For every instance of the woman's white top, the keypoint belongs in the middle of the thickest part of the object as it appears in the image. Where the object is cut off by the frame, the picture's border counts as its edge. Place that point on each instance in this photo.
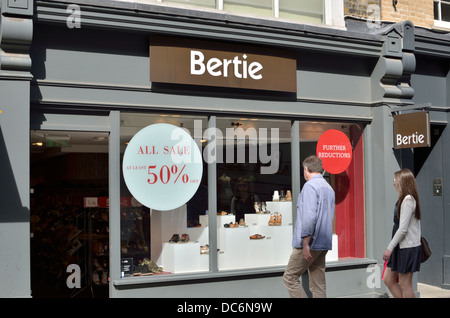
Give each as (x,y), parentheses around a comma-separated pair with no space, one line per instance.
(408,233)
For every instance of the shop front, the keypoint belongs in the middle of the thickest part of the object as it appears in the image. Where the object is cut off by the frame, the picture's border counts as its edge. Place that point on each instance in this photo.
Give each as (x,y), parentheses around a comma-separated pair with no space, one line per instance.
(119,207)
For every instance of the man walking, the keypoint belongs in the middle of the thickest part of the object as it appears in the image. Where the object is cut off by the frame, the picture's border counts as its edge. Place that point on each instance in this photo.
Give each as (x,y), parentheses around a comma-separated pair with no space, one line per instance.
(312,233)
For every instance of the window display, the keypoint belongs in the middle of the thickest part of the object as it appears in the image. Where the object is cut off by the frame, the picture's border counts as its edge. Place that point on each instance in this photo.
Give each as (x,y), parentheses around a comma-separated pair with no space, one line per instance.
(177,242)
(253,216)
(254,198)
(254,226)
(348,226)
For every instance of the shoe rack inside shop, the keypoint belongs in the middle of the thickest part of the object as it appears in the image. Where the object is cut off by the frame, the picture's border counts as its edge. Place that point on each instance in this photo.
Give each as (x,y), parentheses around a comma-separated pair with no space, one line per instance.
(58,219)
(135,239)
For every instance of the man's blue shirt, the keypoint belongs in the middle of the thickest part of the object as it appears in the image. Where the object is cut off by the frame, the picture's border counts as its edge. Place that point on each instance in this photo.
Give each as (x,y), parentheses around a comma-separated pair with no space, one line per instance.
(315,213)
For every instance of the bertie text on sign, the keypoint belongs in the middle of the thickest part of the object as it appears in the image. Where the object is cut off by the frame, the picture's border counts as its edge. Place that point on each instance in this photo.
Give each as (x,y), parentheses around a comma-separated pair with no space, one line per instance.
(412,130)
(218,64)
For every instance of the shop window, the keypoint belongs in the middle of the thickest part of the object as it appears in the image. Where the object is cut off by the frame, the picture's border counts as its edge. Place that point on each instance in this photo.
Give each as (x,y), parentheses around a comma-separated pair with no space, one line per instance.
(348,226)
(201,3)
(160,242)
(254,199)
(254,7)
(254,222)
(442,13)
(302,10)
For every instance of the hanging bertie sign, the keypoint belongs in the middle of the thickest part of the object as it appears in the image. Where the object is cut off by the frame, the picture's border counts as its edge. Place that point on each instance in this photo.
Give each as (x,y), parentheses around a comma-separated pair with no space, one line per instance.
(162,167)
(412,130)
(335,150)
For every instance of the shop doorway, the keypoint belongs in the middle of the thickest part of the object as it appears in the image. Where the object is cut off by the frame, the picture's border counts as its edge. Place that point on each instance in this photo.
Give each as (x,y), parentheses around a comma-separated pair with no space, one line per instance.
(69,237)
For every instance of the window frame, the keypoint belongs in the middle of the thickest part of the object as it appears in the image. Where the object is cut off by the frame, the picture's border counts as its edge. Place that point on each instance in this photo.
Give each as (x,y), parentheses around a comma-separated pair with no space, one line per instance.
(439,23)
(214,270)
(333,14)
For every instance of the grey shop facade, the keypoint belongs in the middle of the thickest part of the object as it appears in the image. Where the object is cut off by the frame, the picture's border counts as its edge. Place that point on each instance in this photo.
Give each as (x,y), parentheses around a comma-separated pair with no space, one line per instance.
(275,87)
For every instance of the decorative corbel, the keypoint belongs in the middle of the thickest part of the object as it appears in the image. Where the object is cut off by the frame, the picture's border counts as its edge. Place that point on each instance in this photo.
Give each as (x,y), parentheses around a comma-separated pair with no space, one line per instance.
(16,32)
(396,64)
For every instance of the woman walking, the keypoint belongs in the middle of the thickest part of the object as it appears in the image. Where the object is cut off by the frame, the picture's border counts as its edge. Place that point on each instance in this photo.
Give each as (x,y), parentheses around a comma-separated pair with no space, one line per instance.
(404,251)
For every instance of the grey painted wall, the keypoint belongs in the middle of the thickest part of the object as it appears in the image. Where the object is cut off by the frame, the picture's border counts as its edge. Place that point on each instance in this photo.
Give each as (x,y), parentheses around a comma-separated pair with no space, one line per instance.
(14,189)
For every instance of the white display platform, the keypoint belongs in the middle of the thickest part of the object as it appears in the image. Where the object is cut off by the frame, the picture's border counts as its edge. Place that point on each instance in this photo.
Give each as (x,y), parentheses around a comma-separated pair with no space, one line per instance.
(333,255)
(221,220)
(239,251)
(283,207)
(236,249)
(183,257)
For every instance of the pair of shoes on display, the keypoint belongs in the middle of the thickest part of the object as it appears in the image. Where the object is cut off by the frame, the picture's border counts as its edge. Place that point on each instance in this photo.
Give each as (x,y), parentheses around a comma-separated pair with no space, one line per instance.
(100,281)
(222,213)
(231,225)
(257,237)
(275,219)
(260,207)
(176,238)
(146,267)
(204,249)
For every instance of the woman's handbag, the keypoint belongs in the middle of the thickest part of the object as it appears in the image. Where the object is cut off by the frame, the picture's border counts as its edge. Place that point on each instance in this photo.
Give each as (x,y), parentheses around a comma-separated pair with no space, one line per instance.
(426,251)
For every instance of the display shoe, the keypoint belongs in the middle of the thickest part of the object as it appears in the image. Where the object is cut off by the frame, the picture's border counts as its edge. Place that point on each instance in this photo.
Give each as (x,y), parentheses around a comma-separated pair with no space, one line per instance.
(256,237)
(175,238)
(204,249)
(276,196)
(272,219)
(241,222)
(288,195)
(184,238)
(257,207)
(263,207)
(278,219)
(104,280)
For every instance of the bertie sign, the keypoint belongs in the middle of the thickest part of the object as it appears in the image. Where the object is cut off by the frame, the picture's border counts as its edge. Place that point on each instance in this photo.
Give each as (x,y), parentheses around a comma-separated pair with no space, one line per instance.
(194,62)
(412,130)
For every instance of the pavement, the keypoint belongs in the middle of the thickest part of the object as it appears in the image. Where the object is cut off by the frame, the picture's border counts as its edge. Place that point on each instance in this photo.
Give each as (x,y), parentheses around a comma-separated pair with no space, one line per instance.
(428,291)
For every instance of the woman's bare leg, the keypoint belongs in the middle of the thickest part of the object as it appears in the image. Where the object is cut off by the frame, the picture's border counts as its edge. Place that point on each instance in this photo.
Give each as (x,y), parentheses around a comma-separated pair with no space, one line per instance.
(390,280)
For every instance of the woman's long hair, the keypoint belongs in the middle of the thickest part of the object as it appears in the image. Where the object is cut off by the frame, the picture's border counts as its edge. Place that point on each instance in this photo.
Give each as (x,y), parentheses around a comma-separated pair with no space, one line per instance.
(406,184)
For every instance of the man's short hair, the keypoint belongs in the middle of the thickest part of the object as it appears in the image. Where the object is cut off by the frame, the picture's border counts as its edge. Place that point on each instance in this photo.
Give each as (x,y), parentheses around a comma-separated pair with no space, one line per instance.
(313,164)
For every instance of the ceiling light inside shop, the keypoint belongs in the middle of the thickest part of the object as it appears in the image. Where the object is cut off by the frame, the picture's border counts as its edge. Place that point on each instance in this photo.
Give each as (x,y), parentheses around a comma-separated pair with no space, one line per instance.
(99,138)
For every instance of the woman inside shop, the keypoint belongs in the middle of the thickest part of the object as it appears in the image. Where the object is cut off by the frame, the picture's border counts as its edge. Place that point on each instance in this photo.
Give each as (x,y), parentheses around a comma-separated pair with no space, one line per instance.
(403,254)
(243,202)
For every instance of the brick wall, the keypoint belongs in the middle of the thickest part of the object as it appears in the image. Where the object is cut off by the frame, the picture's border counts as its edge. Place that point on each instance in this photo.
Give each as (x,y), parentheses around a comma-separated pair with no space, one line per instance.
(419,12)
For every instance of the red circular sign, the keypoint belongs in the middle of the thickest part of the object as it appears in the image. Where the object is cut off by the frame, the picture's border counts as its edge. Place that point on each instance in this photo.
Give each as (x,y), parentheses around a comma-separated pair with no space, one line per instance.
(335,150)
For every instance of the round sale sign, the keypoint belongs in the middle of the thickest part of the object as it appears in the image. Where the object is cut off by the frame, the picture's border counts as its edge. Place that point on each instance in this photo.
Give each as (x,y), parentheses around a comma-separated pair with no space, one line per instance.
(162,166)
(335,150)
